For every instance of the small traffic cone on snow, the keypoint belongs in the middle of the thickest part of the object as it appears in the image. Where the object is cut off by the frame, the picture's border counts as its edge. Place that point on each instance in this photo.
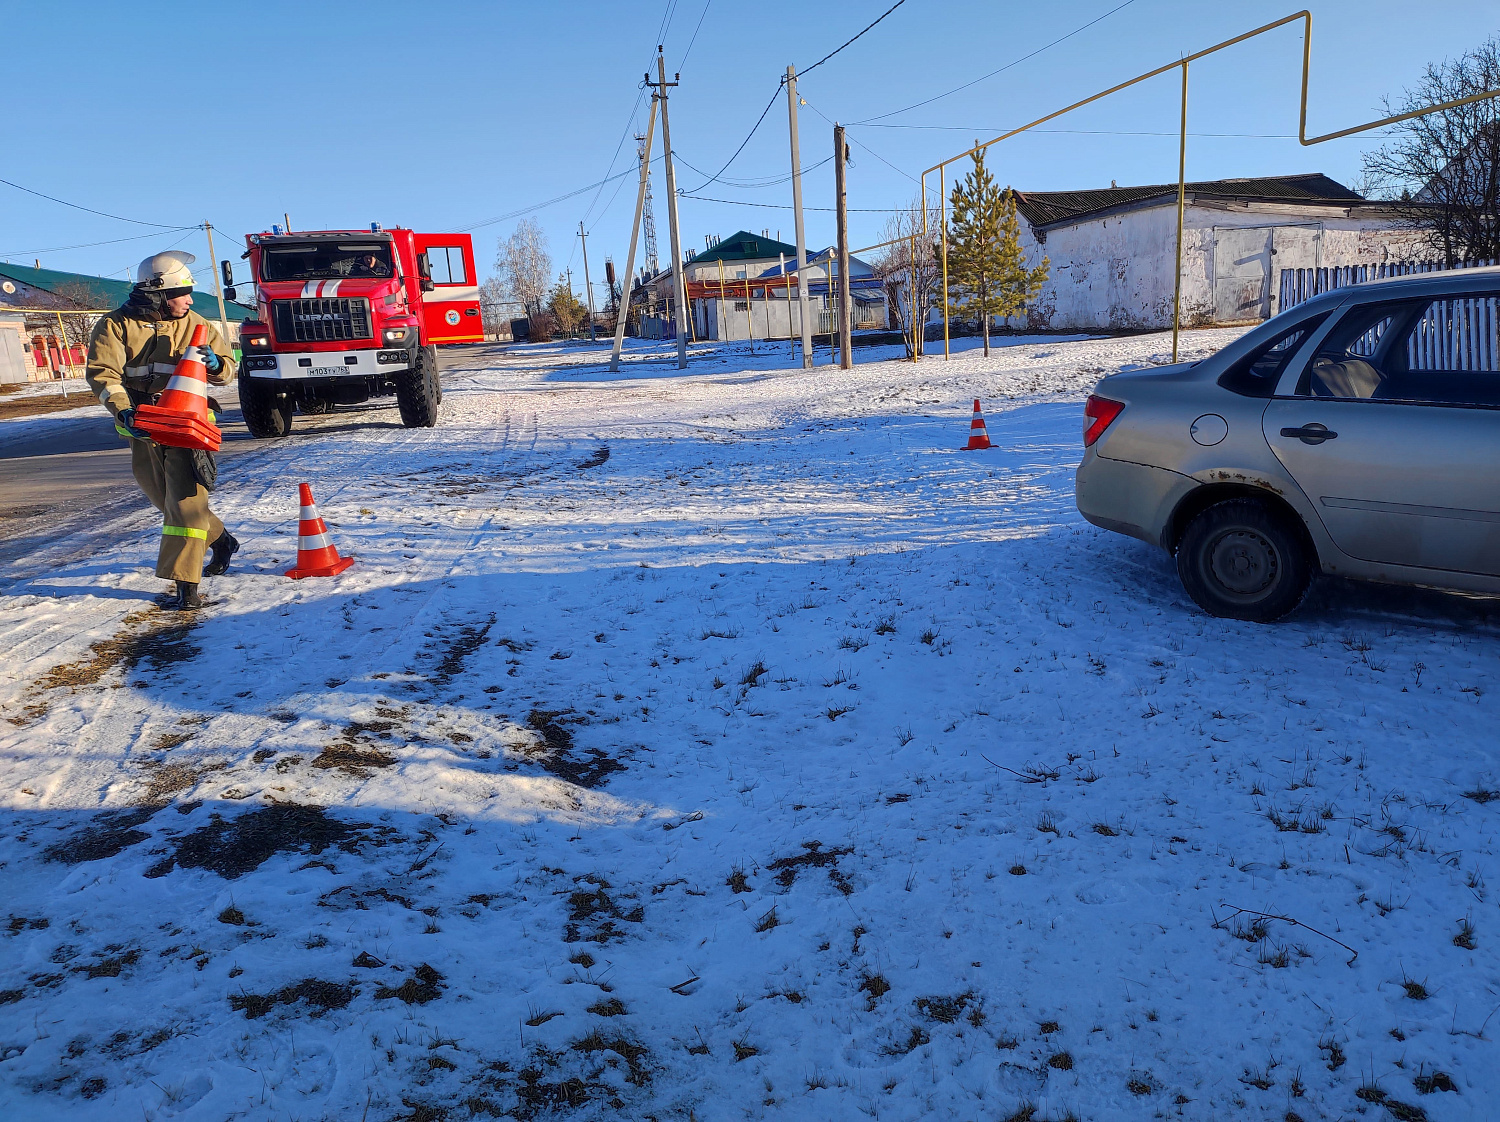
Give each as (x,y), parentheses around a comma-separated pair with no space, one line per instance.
(316,555)
(979,436)
(179,418)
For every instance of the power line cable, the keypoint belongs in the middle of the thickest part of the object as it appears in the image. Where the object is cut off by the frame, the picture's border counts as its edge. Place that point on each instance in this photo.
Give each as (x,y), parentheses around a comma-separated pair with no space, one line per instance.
(781,84)
(548,202)
(90,245)
(694,39)
(1001,70)
(91,210)
(830,54)
(861,143)
(788,206)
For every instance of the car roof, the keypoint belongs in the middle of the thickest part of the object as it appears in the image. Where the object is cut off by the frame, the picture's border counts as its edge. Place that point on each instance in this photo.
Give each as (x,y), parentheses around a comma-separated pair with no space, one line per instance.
(1487,276)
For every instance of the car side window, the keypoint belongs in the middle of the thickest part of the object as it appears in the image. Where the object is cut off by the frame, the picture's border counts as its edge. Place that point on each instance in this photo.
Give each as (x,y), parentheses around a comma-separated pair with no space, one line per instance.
(1257,373)
(1448,354)
(1351,362)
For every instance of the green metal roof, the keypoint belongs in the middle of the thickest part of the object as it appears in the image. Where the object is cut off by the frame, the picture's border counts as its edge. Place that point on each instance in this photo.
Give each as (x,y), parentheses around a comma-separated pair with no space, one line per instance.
(745,246)
(108,293)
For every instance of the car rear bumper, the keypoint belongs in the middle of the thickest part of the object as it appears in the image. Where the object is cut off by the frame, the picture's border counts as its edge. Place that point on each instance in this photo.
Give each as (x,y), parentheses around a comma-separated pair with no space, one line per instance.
(1129,498)
(295,365)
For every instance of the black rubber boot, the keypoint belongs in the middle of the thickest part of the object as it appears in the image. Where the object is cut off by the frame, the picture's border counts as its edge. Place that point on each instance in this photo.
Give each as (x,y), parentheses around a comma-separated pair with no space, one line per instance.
(187,597)
(223,549)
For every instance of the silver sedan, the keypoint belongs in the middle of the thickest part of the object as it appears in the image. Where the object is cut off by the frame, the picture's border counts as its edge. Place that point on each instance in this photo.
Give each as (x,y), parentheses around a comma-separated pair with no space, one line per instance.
(1357,434)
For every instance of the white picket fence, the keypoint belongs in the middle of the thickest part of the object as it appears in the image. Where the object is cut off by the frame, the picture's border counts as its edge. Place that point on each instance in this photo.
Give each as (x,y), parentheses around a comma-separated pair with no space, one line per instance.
(1298,285)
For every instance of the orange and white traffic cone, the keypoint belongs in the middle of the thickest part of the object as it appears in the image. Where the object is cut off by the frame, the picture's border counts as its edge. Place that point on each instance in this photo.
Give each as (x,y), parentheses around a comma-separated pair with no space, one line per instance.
(180,416)
(316,555)
(979,436)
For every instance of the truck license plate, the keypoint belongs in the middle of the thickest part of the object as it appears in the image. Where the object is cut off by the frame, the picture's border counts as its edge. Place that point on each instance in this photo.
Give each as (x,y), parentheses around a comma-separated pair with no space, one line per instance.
(326,371)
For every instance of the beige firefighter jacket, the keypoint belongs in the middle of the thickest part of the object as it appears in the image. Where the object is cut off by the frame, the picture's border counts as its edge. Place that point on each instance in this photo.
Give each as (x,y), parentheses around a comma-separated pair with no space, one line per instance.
(139,354)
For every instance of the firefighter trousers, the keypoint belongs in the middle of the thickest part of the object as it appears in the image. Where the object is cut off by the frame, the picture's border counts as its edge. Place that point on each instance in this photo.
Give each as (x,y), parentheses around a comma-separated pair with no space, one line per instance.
(167,477)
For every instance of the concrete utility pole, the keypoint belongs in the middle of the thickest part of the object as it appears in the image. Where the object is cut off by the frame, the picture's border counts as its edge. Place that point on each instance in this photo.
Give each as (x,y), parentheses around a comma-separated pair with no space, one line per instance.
(588,289)
(679,285)
(218,291)
(635,234)
(846,299)
(791,112)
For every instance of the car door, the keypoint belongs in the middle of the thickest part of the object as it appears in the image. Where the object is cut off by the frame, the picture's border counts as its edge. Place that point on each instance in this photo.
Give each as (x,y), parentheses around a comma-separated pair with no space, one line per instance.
(1393,432)
(450,311)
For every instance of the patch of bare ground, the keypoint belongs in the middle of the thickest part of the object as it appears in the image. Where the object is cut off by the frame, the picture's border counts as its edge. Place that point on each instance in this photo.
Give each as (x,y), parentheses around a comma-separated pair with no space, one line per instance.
(165,780)
(34,405)
(425,985)
(318,995)
(235,846)
(595,908)
(814,856)
(464,642)
(158,638)
(110,834)
(555,752)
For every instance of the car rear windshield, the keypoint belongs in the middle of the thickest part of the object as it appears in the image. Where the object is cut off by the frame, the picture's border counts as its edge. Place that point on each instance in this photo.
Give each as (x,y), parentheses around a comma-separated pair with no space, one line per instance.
(1257,373)
(326,261)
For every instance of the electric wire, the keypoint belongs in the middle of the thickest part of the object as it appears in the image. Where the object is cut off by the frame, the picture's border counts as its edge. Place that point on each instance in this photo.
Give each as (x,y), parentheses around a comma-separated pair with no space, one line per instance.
(91,210)
(781,84)
(90,245)
(882,16)
(788,206)
(1001,70)
(683,64)
(517,213)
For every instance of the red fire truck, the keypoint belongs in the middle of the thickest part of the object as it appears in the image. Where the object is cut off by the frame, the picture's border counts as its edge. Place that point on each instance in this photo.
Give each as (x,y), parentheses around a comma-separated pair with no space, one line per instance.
(346,315)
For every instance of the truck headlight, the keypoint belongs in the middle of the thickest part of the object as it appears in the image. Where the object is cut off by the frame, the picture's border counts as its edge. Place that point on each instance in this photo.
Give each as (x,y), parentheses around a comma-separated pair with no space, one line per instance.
(396,335)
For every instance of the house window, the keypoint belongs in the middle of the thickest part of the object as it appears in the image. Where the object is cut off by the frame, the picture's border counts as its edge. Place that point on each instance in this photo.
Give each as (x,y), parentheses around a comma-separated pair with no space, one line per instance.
(752,247)
(741,306)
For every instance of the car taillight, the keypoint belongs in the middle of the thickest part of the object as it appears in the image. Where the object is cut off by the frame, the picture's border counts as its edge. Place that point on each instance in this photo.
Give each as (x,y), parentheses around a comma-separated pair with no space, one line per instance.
(1099,414)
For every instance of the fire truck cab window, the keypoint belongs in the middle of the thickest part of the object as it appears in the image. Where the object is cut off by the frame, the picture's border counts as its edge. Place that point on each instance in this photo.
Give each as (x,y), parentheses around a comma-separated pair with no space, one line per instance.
(327,261)
(447,262)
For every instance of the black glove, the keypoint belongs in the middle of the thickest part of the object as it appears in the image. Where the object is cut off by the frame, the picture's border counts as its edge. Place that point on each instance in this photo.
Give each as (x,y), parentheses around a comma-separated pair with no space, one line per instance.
(212,363)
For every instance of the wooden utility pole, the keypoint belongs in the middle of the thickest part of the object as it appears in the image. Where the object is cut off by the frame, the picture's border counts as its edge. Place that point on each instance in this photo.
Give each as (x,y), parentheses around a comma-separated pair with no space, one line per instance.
(791,112)
(679,285)
(635,235)
(218,290)
(846,298)
(588,288)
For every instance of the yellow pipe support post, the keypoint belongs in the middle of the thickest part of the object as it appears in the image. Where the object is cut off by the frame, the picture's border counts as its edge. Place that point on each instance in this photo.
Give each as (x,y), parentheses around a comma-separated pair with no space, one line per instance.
(218,291)
(943,233)
(1302,137)
(64,351)
(1181,199)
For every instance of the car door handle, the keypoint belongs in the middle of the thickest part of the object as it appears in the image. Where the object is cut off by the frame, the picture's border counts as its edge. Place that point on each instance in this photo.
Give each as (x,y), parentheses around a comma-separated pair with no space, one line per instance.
(1311,434)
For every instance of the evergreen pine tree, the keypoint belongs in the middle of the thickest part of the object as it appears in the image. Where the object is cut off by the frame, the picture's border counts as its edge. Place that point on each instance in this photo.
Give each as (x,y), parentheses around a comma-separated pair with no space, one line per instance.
(985,261)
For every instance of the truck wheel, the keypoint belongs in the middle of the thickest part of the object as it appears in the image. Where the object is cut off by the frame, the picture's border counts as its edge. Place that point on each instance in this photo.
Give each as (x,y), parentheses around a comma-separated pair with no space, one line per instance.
(1241,560)
(418,391)
(266,412)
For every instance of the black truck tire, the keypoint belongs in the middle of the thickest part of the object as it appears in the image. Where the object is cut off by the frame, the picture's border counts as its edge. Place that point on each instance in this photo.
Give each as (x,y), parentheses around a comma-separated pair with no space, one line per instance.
(314,407)
(419,392)
(267,412)
(1241,560)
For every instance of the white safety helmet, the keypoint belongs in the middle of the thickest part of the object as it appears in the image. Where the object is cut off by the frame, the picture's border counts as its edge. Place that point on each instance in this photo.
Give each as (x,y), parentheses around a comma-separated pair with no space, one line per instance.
(165,271)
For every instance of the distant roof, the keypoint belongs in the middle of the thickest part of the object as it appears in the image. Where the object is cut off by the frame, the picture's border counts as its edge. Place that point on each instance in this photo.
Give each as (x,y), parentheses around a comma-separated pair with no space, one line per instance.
(823,258)
(1046,208)
(107,293)
(745,246)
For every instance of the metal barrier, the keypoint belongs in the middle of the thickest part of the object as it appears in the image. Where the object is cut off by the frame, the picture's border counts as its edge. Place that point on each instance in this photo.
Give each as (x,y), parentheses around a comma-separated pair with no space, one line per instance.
(1295,286)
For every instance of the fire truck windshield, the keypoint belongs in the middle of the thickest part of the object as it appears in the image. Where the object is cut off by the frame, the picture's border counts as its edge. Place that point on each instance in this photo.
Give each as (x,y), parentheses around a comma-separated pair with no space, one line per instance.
(326,261)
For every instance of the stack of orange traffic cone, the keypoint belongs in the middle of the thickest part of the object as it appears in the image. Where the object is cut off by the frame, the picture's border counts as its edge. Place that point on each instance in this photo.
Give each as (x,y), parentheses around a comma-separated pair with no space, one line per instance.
(180,416)
(316,555)
(979,436)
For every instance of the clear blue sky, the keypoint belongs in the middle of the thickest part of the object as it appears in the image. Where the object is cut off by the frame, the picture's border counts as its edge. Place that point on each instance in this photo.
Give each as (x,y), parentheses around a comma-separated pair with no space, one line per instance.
(442,115)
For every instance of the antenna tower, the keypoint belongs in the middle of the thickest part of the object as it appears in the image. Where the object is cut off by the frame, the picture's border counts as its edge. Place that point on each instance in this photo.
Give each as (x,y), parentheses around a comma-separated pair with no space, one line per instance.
(648,223)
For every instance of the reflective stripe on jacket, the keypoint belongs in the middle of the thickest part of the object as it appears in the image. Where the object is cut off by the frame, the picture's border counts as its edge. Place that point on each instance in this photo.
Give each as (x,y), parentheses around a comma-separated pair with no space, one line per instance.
(125,352)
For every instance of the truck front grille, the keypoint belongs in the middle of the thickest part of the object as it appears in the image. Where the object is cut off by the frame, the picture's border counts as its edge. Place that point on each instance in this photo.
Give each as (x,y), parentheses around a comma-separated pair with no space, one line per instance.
(321,320)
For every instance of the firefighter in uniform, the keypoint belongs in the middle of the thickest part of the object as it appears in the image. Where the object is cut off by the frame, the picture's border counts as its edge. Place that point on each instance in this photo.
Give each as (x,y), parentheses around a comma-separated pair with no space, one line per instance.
(132,355)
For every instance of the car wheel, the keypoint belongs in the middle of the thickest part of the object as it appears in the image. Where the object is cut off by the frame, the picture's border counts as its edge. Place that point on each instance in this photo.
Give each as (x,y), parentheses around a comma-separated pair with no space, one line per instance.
(1241,560)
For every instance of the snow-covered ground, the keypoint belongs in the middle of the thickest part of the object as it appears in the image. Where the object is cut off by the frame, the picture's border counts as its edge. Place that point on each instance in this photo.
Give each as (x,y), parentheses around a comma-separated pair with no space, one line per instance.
(728,744)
